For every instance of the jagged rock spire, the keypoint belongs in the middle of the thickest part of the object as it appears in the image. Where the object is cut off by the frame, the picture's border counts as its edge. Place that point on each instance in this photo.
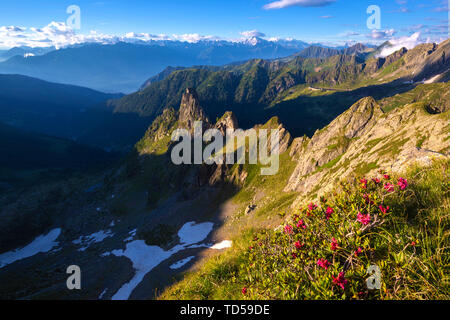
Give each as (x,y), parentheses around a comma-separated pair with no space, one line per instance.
(191,111)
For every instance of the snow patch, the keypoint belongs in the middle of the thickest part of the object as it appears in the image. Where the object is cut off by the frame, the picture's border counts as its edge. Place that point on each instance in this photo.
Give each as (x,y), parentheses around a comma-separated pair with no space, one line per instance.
(102,294)
(192,233)
(145,258)
(222,245)
(432,79)
(44,243)
(181,263)
(97,237)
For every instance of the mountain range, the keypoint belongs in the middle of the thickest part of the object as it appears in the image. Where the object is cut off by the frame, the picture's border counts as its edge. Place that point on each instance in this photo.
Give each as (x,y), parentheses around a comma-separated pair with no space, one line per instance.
(362,180)
(305,93)
(123,67)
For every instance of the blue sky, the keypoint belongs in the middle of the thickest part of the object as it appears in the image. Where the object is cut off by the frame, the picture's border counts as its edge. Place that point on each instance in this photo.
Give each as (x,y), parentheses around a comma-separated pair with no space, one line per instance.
(309,20)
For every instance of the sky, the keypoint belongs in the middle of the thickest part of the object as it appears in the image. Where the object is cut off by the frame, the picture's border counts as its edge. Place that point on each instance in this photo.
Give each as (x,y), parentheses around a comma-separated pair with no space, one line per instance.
(44,22)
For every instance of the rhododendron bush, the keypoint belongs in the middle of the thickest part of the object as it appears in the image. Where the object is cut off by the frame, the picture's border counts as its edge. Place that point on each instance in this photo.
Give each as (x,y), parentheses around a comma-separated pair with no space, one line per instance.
(398,225)
(325,250)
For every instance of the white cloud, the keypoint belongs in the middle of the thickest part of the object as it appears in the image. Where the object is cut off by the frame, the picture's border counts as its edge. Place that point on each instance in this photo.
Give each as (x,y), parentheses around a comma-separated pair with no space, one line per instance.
(59,35)
(302,3)
(145,36)
(192,37)
(11,29)
(253,33)
(402,42)
(349,34)
(381,34)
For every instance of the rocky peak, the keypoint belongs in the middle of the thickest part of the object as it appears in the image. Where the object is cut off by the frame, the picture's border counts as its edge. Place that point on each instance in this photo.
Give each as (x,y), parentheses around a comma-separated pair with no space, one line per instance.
(191,111)
(228,121)
(395,56)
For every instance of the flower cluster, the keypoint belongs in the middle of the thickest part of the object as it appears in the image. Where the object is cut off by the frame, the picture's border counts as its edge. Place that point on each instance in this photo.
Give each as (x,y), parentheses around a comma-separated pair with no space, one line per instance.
(288,229)
(323,263)
(324,247)
(334,244)
(402,183)
(364,219)
(340,280)
(328,213)
(389,187)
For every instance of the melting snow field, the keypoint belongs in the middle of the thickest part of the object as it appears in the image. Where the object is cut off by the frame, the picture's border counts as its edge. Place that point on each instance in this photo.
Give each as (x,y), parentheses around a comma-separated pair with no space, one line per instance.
(44,243)
(191,233)
(97,237)
(145,258)
(222,245)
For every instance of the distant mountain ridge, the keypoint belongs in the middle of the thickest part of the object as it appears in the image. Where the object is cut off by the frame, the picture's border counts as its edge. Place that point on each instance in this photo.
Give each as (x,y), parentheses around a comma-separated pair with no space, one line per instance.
(24,51)
(123,67)
(292,88)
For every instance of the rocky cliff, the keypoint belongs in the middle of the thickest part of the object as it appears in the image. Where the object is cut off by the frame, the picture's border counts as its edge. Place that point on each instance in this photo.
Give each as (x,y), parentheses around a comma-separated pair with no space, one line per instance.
(365,139)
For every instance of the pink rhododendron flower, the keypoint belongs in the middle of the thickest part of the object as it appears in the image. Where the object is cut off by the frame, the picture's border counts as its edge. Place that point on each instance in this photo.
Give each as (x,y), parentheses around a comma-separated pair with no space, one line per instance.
(329,212)
(334,244)
(402,183)
(299,245)
(376,180)
(387,177)
(384,210)
(358,251)
(288,229)
(244,290)
(312,206)
(364,219)
(301,224)
(323,263)
(363,183)
(340,280)
(389,187)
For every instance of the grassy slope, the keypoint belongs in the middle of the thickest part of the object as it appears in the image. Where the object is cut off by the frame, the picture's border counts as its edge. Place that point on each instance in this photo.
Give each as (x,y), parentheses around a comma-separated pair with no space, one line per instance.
(409,244)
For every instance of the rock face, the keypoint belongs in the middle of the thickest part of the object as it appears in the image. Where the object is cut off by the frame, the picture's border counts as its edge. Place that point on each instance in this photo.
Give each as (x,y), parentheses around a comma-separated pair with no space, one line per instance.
(190,111)
(395,56)
(363,140)
(228,121)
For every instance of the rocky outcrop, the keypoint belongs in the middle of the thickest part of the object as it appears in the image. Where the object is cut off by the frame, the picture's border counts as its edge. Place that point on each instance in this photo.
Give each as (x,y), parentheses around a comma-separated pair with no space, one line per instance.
(436,62)
(332,141)
(395,56)
(363,140)
(228,121)
(190,111)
